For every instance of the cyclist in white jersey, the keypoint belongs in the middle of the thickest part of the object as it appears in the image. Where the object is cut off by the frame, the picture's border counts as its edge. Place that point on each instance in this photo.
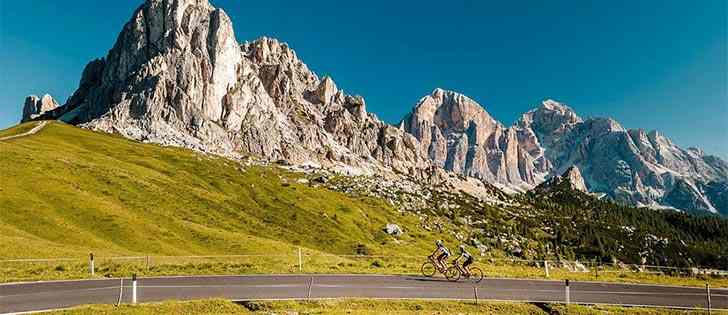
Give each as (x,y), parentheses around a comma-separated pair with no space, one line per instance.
(441,253)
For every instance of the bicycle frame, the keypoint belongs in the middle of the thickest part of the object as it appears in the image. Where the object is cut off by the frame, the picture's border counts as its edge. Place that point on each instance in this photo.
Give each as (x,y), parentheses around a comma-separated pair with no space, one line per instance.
(462,270)
(437,264)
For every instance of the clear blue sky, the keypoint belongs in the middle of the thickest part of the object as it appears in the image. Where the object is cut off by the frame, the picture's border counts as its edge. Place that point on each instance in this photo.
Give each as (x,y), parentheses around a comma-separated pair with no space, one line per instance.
(651,64)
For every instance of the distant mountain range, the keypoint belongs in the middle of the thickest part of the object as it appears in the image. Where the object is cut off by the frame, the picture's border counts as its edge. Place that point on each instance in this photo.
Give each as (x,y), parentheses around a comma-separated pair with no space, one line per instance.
(177,76)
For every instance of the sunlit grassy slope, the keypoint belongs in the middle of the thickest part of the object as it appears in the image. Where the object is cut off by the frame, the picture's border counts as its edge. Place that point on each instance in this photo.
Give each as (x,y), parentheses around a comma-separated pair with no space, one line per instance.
(66,191)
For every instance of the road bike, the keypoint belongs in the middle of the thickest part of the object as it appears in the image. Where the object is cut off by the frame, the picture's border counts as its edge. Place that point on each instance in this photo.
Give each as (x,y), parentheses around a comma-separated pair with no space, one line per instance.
(456,271)
(431,267)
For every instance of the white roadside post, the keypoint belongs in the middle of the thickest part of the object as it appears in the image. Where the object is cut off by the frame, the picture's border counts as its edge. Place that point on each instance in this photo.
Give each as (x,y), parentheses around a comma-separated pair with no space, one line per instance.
(300,260)
(121,291)
(707,289)
(133,289)
(568,294)
(546,267)
(91,263)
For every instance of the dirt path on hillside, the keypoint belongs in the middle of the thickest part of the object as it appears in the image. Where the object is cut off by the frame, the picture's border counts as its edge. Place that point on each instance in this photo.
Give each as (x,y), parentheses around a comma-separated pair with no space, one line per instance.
(27,133)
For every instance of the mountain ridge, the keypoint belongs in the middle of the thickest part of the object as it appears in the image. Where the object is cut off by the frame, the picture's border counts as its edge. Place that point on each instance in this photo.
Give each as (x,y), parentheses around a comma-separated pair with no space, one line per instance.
(177,76)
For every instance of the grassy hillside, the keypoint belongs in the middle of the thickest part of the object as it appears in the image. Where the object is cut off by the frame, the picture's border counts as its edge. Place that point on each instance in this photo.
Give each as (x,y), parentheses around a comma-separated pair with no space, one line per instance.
(68,191)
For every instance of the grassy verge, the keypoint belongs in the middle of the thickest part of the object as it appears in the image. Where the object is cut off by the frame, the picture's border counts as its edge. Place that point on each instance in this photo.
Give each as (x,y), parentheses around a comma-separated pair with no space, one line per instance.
(363,307)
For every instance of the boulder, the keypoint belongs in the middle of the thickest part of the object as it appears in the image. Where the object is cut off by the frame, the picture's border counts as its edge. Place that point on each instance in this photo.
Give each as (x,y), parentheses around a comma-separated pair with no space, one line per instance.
(393,229)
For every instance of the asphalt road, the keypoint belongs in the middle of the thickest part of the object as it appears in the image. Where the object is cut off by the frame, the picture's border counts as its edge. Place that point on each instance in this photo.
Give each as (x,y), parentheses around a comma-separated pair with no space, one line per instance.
(36,296)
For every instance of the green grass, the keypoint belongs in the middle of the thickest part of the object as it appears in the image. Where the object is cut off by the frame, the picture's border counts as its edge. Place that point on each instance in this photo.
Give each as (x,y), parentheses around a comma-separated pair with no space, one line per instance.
(363,307)
(67,191)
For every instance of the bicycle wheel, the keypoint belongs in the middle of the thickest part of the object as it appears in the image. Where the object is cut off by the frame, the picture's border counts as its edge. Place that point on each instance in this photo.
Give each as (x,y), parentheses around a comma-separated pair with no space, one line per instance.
(428,269)
(452,274)
(476,274)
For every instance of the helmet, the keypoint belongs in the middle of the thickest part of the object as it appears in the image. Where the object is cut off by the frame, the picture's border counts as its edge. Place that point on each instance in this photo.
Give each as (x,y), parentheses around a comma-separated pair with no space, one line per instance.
(438,242)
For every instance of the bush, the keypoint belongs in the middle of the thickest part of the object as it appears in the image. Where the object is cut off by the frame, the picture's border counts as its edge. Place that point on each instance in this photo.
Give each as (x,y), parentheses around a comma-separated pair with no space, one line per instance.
(361,249)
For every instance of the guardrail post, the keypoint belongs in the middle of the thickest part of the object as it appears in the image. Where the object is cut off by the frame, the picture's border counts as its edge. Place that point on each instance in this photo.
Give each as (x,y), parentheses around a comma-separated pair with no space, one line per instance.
(567,293)
(707,291)
(91,263)
(300,260)
(546,268)
(133,289)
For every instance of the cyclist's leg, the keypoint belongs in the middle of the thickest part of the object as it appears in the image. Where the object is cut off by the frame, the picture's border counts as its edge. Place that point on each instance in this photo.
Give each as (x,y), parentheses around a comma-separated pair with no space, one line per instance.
(467,263)
(440,259)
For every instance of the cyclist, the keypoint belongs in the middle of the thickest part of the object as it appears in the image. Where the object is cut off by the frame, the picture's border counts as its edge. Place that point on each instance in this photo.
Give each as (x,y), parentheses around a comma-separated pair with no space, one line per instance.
(468,259)
(443,252)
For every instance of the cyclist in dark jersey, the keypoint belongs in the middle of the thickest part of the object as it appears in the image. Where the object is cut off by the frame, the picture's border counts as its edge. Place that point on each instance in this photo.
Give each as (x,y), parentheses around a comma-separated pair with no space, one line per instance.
(468,259)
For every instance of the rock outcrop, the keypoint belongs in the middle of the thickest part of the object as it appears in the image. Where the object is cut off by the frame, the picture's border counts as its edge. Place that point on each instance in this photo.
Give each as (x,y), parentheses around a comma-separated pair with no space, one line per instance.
(35,107)
(572,178)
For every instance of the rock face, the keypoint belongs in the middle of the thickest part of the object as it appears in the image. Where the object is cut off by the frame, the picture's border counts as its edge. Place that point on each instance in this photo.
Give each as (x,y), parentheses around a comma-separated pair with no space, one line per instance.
(35,107)
(456,133)
(177,76)
(572,176)
(630,166)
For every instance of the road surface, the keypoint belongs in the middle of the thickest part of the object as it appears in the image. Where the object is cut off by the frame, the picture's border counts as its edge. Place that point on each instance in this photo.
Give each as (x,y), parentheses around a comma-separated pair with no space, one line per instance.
(34,296)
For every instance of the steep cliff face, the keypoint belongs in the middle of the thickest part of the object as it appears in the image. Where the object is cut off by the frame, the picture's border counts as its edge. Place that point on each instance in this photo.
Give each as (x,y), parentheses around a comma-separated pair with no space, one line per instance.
(458,134)
(177,76)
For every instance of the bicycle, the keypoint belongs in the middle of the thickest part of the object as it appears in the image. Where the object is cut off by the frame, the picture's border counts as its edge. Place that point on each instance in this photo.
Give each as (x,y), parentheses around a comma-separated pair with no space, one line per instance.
(430,267)
(457,271)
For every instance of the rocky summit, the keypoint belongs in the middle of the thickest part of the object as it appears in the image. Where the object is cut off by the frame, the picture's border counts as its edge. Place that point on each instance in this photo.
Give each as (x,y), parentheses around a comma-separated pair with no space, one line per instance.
(35,106)
(630,166)
(177,76)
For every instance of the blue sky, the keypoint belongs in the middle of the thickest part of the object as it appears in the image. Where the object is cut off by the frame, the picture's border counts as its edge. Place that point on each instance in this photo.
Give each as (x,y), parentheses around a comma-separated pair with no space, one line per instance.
(650,64)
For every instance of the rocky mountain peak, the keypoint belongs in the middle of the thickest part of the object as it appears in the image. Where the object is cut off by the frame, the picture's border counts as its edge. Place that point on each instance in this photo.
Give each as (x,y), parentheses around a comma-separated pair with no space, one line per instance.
(549,121)
(34,106)
(266,50)
(449,111)
(459,135)
(177,76)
